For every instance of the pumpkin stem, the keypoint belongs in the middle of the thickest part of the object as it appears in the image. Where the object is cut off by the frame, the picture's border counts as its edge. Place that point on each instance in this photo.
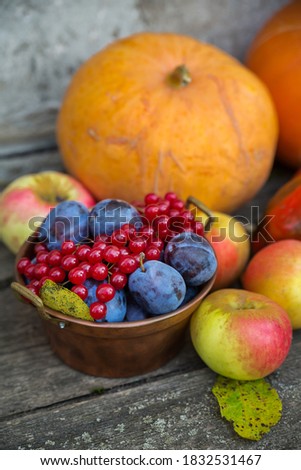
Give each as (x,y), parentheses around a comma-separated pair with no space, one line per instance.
(180,77)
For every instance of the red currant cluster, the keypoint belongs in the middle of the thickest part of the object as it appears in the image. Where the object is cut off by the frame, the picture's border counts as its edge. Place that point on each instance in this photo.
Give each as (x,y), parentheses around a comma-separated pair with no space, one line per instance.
(168,216)
(110,259)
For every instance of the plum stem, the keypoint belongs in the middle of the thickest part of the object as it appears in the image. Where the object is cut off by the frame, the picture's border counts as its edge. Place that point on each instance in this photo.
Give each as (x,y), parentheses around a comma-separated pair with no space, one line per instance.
(141,259)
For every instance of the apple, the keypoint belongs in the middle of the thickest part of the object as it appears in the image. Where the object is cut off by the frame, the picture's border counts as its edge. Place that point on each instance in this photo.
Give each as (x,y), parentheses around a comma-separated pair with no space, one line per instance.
(232,246)
(28,199)
(241,334)
(275,271)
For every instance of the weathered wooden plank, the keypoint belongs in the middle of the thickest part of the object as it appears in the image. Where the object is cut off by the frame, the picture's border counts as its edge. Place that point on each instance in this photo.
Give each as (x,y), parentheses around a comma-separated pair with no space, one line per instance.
(36,67)
(16,166)
(174,412)
(7,260)
(28,365)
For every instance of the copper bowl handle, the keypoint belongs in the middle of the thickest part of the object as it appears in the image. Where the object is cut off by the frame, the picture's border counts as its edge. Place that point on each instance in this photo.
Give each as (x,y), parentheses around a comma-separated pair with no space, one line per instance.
(22,291)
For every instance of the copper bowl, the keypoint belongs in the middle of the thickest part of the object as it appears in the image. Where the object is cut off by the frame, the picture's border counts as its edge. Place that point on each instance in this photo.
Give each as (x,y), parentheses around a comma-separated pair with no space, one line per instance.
(122,349)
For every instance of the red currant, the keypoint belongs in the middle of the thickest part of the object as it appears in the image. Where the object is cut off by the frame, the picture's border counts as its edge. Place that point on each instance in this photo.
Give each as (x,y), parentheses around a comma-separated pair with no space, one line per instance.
(67,248)
(77,275)
(86,267)
(103,238)
(170,196)
(178,204)
(69,262)
(157,243)
(22,264)
(40,270)
(198,228)
(99,271)
(119,238)
(151,198)
(137,246)
(163,207)
(42,281)
(95,256)
(152,253)
(151,212)
(118,280)
(42,257)
(80,290)
(34,289)
(128,264)
(105,292)
(111,254)
(39,247)
(57,274)
(98,310)
(29,271)
(82,252)
(129,230)
(54,258)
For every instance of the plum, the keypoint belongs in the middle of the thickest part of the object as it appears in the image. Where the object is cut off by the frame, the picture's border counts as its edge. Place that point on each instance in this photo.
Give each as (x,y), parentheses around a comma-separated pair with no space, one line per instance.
(116,308)
(69,220)
(157,287)
(109,215)
(192,256)
(133,311)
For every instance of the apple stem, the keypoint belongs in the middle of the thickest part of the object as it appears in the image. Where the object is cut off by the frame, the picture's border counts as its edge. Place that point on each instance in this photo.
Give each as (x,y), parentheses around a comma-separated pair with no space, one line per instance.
(200,205)
(180,77)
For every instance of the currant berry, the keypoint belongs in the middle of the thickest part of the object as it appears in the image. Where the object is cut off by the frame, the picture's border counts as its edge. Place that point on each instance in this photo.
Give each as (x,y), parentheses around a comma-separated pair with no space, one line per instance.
(111,254)
(40,270)
(152,253)
(151,212)
(39,247)
(54,258)
(42,257)
(151,198)
(170,196)
(129,230)
(178,205)
(29,271)
(77,275)
(119,238)
(128,264)
(99,271)
(68,247)
(34,289)
(69,262)
(198,228)
(118,280)
(137,246)
(86,267)
(105,292)
(22,264)
(57,274)
(42,281)
(98,310)
(82,252)
(80,290)
(95,256)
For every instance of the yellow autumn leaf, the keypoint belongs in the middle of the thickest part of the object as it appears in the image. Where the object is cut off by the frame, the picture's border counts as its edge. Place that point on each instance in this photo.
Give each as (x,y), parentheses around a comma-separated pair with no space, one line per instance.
(63,300)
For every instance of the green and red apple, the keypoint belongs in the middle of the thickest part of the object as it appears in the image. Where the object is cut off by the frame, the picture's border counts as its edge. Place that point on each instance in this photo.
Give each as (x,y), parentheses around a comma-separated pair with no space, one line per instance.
(275,271)
(28,199)
(231,243)
(241,334)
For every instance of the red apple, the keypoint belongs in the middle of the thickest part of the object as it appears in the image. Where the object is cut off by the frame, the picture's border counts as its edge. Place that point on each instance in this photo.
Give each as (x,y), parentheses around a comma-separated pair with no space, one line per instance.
(232,247)
(240,334)
(275,271)
(33,195)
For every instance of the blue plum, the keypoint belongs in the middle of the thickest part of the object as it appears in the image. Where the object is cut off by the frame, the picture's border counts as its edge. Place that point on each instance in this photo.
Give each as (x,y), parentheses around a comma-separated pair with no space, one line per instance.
(110,214)
(116,308)
(133,311)
(157,287)
(193,256)
(69,220)
(191,292)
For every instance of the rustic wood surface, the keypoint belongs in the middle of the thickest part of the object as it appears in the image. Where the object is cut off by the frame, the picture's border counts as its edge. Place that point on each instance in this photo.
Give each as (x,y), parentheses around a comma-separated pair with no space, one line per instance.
(47,405)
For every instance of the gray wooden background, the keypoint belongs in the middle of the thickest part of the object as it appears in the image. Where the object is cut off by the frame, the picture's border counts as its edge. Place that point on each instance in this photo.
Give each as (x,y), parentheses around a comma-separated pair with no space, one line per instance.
(42,42)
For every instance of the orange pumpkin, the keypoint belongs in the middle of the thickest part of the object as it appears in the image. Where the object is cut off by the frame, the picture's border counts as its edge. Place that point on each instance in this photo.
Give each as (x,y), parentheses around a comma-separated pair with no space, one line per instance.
(275,56)
(161,112)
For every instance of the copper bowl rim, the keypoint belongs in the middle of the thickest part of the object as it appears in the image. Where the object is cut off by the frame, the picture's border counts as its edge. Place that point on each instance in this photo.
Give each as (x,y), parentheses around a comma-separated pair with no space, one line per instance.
(116,325)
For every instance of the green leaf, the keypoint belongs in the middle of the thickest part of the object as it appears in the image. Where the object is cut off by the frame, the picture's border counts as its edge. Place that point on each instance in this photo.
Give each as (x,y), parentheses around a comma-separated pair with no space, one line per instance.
(64,300)
(252,406)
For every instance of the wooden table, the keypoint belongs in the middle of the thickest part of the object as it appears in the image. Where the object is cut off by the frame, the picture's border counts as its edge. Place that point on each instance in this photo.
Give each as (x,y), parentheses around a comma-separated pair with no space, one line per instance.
(47,405)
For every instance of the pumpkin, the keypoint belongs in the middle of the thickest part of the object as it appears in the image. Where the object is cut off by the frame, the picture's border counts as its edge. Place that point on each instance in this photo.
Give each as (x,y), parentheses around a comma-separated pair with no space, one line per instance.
(275,56)
(158,112)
